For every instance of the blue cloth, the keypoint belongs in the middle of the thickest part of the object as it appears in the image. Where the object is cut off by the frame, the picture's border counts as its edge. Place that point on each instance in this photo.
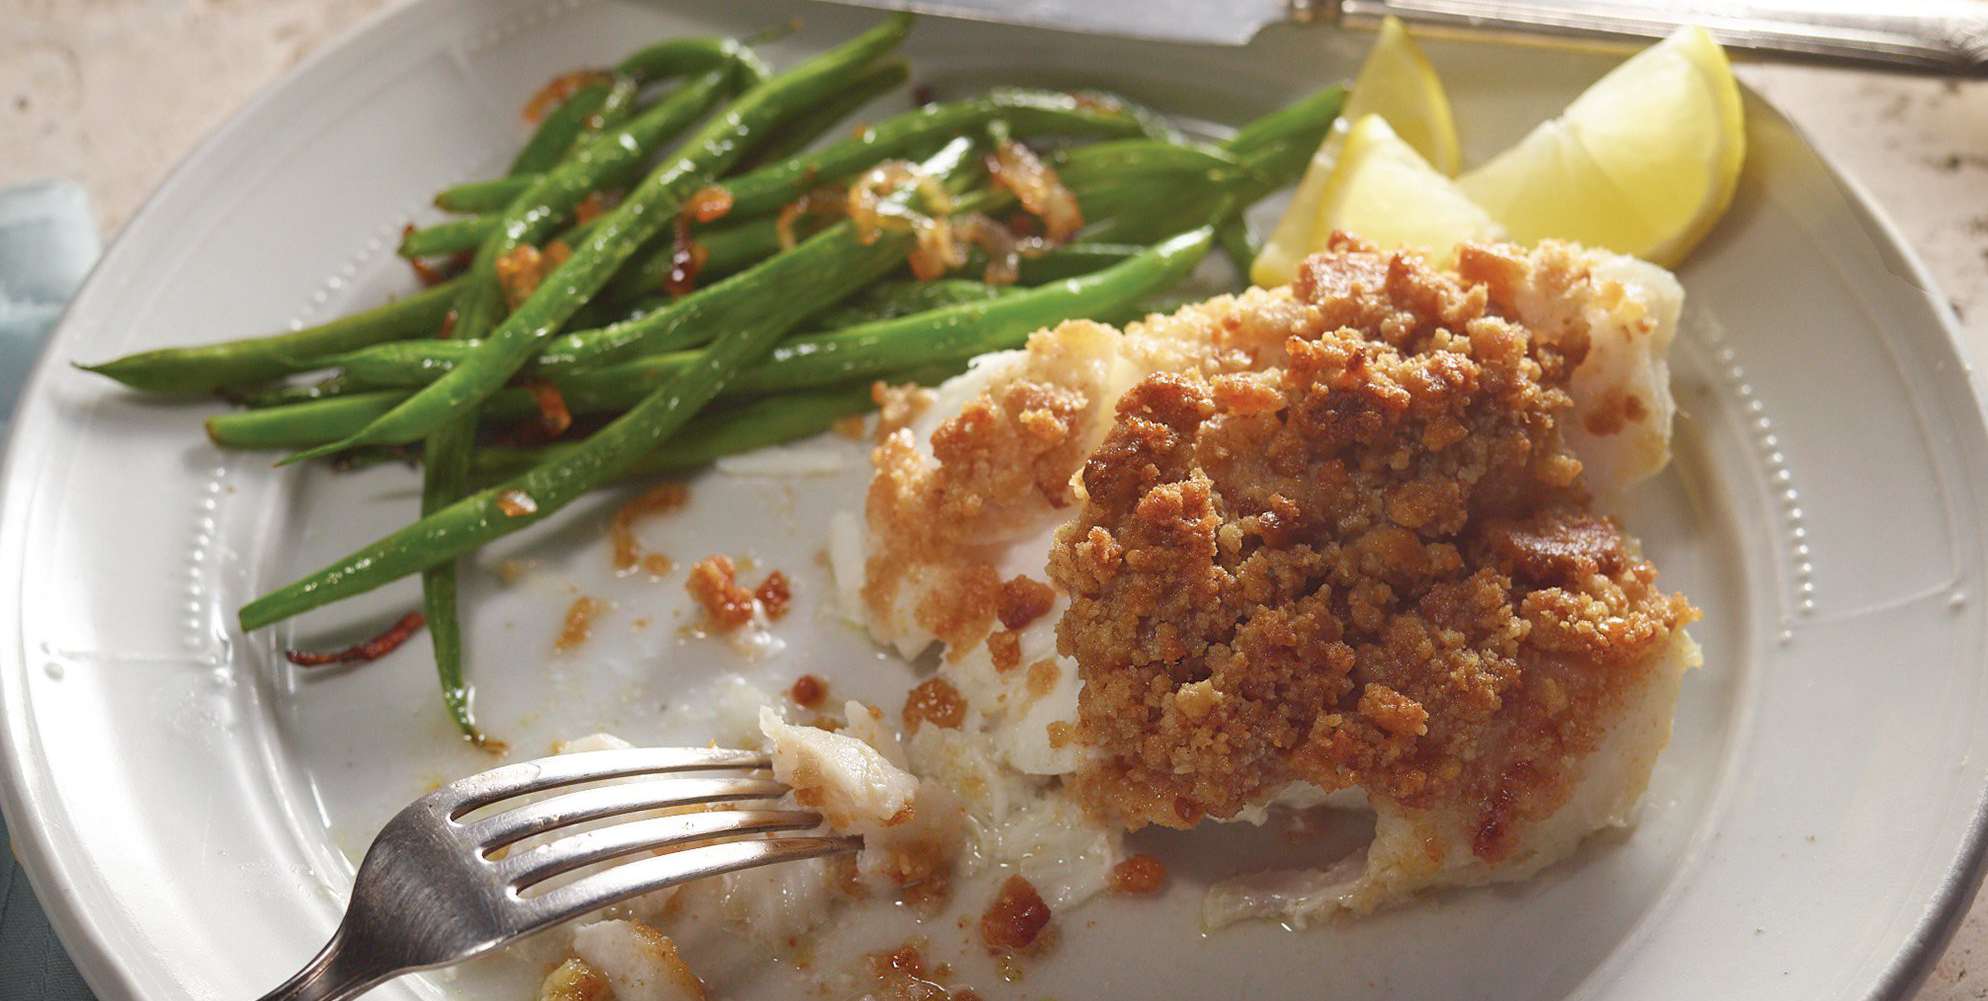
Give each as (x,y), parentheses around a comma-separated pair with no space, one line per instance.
(47,244)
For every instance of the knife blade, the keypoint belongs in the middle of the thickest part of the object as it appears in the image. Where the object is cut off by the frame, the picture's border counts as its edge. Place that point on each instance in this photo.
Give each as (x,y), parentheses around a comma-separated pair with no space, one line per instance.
(1942,36)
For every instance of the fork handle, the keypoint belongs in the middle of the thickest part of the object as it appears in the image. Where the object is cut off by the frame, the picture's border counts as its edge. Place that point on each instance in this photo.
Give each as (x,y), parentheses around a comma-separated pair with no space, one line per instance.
(331,975)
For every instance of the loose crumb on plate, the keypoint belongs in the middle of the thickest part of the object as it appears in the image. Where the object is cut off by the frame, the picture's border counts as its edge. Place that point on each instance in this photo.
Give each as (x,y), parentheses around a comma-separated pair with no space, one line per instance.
(579,624)
(714,583)
(1014,922)
(1138,876)
(808,691)
(628,551)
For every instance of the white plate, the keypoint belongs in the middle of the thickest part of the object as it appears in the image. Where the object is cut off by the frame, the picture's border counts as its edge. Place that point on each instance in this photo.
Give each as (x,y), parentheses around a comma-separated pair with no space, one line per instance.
(188,805)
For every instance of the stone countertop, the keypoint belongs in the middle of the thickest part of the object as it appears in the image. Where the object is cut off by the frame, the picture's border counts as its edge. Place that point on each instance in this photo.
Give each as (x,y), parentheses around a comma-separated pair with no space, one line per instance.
(112,93)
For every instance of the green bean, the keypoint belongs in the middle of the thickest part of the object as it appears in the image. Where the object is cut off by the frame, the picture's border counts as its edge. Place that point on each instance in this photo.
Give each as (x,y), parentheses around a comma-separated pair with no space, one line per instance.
(525,499)
(1101,163)
(1071,260)
(295,425)
(802,132)
(647,209)
(678,57)
(876,348)
(206,368)
(968,329)
(284,394)
(1238,245)
(489,195)
(1309,116)
(1275,148)
(896,340)
(822,270)
(892,299)
(615,449)
(1110,178)
(1027,112)
(559,130)
(713,436)
(447,237)
(444,476)
(538,212)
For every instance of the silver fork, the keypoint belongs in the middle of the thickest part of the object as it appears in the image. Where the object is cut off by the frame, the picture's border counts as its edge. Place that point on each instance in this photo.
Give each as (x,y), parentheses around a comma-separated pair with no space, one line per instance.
(429,892)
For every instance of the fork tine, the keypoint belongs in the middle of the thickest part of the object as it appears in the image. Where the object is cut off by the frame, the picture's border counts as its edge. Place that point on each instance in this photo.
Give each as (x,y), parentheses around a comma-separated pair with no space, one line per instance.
(543,862)
(635,878)
(612,801)
(526,777)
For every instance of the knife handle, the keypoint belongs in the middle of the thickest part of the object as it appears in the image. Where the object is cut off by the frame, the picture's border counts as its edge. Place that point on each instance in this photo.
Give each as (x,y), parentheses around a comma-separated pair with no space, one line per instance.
(1950,36)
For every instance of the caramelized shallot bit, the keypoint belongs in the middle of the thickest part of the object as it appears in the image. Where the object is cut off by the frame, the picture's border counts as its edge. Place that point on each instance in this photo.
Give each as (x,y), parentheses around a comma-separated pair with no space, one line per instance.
(553,417)
(714,583)
(660,499)
(579,624)
(808,691)
(687,258)
(516,504)
(1036,186)
(873,212)
(708,204)
(428,274)
(824,202)
(521,269)
(936,701)
(558,89)
(594,206)
(1139,876)
(1015,920)
(364,651)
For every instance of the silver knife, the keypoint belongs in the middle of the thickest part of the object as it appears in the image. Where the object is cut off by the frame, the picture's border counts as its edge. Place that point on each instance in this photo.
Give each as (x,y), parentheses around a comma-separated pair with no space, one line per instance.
(1944,36)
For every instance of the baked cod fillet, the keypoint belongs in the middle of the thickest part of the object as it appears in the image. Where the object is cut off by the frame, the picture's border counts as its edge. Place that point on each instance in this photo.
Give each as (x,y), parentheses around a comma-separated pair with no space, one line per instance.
(1337,537)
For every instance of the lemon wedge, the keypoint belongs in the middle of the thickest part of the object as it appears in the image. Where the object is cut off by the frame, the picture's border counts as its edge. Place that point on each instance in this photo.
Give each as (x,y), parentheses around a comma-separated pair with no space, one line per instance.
(1384,191)
(1395,82)
(1643,162)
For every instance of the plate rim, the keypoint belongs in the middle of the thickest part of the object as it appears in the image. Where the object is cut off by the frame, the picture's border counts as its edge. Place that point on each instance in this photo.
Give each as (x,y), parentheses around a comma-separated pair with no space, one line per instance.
(111,973)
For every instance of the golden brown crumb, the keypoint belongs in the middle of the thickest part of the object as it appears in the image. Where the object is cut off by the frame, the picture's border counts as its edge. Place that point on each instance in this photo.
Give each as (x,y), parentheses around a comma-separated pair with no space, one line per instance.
(897,406)
(579,624)
(714,583)
(1060,734)
(1042,677)
(660,499)
(1011,449)
(1371,565)
(774,594)
(1005,649)
(808,691)
(1015,920)
(1023,601)
(1139,875)
(934,701)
